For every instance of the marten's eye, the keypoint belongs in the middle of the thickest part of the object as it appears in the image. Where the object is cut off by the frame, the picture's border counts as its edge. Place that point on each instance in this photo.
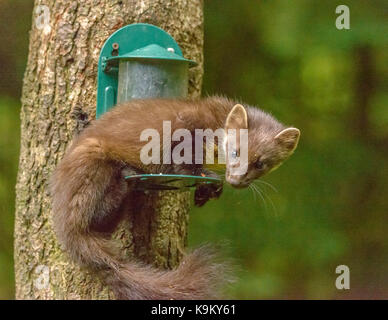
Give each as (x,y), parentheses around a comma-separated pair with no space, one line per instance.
(259,165)
(234,154)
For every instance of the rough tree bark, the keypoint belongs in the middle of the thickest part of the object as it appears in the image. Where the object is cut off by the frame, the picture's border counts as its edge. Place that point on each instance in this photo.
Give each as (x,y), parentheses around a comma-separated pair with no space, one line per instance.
(59,98)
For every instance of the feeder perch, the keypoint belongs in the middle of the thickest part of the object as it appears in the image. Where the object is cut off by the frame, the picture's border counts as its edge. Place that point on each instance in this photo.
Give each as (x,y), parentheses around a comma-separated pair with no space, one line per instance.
(141,61)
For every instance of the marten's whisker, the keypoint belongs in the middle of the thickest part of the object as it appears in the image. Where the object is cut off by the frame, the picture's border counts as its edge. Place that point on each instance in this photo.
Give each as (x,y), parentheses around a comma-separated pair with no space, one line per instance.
(268,184)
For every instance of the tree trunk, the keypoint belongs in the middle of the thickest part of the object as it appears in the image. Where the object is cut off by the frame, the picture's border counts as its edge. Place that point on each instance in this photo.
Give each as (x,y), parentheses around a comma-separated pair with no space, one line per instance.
(59,98)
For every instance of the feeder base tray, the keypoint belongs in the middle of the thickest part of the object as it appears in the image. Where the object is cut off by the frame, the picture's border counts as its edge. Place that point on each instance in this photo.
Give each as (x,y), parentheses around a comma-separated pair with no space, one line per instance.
(169,181)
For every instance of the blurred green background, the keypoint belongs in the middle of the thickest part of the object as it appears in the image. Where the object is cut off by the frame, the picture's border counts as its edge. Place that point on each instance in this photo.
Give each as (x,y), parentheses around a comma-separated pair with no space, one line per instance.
(331,203)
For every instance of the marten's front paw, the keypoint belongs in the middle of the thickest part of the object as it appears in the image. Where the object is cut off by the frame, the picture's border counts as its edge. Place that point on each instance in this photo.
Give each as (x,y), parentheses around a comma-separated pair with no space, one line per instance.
(205,192)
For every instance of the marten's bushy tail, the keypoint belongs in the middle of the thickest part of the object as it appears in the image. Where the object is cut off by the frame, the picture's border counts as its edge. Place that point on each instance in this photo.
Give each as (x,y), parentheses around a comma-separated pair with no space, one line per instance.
(87,188)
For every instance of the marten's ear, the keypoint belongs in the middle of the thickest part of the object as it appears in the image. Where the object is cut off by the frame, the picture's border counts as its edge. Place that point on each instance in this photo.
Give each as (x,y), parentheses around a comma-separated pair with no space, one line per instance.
(288,139)
(237,118)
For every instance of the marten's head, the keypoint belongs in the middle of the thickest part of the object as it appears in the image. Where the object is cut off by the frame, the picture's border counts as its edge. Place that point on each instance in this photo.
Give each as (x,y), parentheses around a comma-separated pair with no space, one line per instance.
(255,144)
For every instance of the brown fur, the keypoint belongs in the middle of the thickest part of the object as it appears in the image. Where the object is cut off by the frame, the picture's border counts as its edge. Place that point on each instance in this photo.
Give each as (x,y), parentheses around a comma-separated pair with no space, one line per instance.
(88,189)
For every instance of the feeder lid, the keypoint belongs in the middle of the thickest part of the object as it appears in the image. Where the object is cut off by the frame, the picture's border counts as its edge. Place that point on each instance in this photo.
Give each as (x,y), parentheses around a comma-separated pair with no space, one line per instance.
(153,51)
(169,181)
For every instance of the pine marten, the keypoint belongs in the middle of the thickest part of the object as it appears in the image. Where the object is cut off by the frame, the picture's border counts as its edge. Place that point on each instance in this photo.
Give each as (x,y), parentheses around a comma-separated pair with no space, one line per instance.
(88,187)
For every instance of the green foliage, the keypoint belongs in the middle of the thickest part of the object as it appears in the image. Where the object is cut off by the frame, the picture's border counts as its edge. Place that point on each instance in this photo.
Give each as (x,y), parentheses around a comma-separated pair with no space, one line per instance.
(9,146)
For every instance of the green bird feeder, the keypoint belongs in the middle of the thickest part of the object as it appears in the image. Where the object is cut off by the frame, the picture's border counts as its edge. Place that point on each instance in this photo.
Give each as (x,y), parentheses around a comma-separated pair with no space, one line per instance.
(141,61)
